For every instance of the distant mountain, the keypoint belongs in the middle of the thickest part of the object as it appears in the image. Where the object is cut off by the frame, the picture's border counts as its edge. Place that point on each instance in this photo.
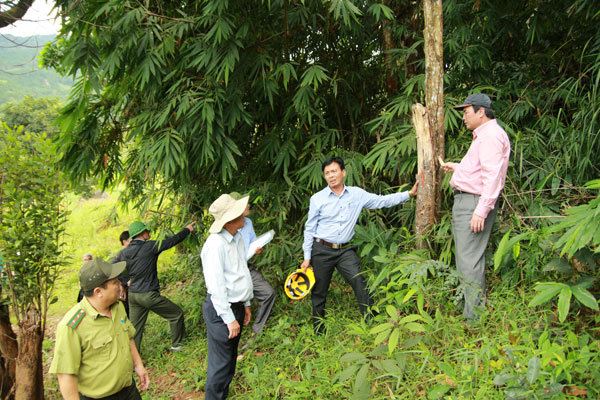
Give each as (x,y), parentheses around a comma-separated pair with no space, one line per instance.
(20,74)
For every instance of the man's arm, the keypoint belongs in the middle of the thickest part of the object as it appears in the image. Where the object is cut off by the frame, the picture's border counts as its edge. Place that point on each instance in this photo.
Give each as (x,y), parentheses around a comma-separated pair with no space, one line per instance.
(139,366)
(69,387)
(310,230)
(375,201)
(491,158)
(167,243)
(213,259)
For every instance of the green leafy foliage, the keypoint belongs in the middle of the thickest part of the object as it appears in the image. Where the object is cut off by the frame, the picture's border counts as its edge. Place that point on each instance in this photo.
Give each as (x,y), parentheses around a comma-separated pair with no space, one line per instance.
(32,220)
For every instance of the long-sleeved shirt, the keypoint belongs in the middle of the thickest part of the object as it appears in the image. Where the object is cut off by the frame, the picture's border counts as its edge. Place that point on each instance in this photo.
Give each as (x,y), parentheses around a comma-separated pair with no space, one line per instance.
(226,272)
(332,217)
(247,233)
(482,170)
(141,257)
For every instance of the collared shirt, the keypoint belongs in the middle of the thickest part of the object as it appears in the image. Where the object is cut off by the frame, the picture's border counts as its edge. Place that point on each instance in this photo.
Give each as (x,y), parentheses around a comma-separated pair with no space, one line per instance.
(97,351)
(247,233)
(482,170)
(332,217)
(226,272)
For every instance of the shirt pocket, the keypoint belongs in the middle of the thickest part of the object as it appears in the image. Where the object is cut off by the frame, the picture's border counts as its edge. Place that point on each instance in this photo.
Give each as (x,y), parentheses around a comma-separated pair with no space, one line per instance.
(101,346)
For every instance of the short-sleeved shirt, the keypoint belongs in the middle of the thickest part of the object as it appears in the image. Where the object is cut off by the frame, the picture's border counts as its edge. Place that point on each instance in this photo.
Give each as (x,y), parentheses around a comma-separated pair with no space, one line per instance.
(95,349)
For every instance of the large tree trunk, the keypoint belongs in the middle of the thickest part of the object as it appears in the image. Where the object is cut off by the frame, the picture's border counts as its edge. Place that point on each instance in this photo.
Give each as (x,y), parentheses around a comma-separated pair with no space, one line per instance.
(434,86)
(9,349)
(29,377)
(426,166)
(429,123)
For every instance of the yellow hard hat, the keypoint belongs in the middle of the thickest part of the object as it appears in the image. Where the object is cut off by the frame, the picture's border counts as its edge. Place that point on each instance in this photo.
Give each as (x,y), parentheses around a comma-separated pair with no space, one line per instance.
(298,283)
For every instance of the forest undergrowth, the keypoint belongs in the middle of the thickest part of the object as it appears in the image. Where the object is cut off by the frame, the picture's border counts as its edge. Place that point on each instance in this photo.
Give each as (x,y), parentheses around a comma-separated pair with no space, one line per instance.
(419,346)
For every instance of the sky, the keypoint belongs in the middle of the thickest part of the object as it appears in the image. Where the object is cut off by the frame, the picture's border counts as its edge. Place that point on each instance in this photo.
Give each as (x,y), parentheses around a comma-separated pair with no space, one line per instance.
(37,21)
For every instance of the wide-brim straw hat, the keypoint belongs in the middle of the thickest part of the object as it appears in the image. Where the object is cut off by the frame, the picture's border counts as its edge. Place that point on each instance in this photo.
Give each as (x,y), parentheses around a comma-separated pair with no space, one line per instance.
(226,209)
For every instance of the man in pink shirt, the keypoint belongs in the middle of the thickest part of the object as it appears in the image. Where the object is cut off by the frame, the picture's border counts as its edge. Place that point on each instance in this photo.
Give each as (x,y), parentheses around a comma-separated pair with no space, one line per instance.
(477,182)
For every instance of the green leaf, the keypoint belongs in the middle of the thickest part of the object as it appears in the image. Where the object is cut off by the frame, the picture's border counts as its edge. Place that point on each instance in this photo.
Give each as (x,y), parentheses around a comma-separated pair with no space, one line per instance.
(391,367)
(533,369)
(392,312)
(546,293)
(410,318)
(381,328)
(501,380)
(558,265)
(393,341)
(348,372)
(564,303)
(438,391)
(415,327)
(585,297)
(352,357)
(501,251)
(361,384)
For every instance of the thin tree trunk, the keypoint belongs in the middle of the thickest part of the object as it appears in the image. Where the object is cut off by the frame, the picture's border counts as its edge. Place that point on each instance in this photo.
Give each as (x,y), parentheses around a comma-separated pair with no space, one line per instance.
(9,350)
(29,376)
(391,83)
(426,166)
(434,87)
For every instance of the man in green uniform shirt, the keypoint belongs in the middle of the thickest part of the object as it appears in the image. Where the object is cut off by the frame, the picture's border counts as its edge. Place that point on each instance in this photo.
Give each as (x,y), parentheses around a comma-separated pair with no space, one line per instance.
(95,354)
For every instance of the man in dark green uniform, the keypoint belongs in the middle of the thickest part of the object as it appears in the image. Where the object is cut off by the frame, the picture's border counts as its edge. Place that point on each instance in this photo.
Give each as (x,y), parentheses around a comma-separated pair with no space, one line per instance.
(95,354)
(141,256)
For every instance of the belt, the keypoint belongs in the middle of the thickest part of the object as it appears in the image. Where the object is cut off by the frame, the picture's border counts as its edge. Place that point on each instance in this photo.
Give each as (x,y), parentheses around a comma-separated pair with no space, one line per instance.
(332,245)
(236,304)
(456,191)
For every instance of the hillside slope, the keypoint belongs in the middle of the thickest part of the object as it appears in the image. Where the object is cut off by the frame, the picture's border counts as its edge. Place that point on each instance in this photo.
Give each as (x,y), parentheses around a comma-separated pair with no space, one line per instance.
(20,74)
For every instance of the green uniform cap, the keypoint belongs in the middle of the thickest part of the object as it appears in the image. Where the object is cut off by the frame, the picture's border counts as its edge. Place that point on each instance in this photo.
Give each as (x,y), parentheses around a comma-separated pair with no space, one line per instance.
(97,271)
(136,228)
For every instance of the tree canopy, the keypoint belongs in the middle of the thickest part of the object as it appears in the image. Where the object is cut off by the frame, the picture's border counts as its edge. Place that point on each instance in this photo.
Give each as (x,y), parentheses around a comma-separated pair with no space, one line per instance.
(185,100)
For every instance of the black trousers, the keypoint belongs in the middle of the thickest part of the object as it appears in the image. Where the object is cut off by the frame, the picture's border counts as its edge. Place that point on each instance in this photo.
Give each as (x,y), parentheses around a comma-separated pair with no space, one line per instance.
(128,393)
(222,351)
(324,260)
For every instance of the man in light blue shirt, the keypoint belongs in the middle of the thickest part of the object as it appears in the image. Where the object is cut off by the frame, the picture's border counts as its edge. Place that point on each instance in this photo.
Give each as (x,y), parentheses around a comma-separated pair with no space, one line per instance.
(330,225)
(263,291)
(229,286)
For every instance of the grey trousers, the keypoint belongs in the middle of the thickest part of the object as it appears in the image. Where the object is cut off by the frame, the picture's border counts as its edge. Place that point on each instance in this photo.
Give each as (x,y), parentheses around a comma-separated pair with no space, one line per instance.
(265,295)
(142,303)
(470,250)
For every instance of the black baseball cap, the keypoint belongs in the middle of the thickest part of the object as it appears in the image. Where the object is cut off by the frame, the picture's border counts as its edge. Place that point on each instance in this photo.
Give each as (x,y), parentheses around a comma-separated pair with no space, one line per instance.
(476,99)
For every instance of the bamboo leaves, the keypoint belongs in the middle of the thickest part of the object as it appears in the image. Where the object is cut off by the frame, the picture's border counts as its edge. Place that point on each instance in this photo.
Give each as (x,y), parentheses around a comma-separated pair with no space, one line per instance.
(547,291)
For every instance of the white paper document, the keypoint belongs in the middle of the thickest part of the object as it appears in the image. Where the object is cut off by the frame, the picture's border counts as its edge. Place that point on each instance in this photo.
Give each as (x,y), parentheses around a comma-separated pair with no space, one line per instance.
(260,241)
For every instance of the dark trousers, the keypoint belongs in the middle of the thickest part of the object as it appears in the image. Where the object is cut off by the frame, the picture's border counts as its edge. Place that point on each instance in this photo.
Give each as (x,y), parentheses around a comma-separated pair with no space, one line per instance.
(128,393)
(324,260)
(140,304)
(265,295)
(222,351)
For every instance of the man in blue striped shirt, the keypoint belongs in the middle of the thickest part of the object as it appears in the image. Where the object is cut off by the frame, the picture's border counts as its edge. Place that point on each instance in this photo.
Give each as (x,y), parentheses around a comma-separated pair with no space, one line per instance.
(330,225)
